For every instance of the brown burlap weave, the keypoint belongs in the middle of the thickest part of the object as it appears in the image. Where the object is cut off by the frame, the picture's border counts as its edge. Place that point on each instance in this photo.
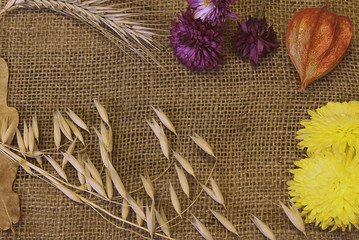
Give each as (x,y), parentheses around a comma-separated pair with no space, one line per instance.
(249,114)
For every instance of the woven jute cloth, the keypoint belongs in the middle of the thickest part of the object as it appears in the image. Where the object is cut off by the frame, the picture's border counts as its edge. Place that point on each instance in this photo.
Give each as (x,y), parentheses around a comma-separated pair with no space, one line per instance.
(249,115)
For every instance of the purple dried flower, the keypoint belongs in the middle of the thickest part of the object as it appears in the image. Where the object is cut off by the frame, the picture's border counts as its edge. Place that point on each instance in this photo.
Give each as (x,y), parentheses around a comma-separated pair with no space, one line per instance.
(254,38)
(195,43)
(213,12)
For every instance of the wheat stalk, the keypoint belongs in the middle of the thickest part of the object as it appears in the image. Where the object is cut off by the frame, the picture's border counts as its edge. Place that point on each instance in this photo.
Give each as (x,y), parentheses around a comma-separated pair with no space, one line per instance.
(118,25)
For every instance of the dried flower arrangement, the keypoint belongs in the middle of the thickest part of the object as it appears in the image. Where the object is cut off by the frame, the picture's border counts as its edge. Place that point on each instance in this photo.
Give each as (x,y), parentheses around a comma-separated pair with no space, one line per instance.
(96,185)
(329,137)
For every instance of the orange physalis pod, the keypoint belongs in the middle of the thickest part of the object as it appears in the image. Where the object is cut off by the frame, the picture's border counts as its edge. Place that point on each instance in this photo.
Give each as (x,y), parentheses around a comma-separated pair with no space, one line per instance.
(316,41)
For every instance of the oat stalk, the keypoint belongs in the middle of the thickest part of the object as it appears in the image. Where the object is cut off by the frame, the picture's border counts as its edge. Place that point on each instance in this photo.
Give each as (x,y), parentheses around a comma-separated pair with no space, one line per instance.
(116,24)
(92,180)
(67,191)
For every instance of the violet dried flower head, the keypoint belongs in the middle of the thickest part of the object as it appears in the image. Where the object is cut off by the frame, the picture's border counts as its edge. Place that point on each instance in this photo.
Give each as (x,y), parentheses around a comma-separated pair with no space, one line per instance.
(254,38)
(213,12)
(195,43)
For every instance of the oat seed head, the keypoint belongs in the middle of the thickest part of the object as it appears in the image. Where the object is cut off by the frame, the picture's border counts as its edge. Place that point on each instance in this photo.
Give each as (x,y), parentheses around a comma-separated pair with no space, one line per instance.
(139,204)
(120,187)
(34,154)
(174,199)
(93,170)
(217,192)
(151,218)
(31,139)
(147,184)
(137,208)
(183,180)
(184,163)
(225,222)
(164,119)
(95,185)
(163,214)
(110,135)
(162,221)
(77,120)
(82,180)
(165,146)
(39,157)
(109,185)
(39,161)
(294,216)
(88,184)
(203,144)
(160,134)
(57,132)
(105,156)
(20,142)
(156,128)
(76,131)
(57,167)
(64,127)
(35,127)
(69,150)
(99,136)
(265,230)
(105,136)
(102,112)
(210,193)
(26,135)
(125,209)
(201,228)
(70,194)
(79,166)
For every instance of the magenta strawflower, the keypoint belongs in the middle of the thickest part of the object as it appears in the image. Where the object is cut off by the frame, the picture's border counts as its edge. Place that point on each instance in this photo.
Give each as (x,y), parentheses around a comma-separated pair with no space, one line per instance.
(195,43)
(213,12)
(254,38)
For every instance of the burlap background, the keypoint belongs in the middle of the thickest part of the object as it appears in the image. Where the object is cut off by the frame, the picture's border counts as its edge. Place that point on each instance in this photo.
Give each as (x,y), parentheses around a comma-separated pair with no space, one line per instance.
(249,114)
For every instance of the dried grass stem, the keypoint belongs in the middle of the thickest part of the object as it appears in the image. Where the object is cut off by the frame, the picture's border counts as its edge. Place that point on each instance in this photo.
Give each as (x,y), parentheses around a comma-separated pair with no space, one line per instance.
(117,25)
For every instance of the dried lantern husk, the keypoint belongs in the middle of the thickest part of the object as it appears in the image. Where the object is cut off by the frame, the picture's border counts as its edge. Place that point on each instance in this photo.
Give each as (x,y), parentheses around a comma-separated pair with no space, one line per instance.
(316,41)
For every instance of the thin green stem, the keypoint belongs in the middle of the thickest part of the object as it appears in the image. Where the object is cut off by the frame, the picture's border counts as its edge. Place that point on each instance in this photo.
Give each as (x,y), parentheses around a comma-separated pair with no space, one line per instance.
(260,13)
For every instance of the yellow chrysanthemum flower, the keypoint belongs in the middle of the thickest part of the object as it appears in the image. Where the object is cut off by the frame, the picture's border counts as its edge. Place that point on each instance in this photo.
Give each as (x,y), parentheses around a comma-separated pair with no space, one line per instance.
(334,126)
(326,187)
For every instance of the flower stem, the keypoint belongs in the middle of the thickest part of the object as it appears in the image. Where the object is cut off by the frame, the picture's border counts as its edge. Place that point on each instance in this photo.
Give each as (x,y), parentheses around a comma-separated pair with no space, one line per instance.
(260,12)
